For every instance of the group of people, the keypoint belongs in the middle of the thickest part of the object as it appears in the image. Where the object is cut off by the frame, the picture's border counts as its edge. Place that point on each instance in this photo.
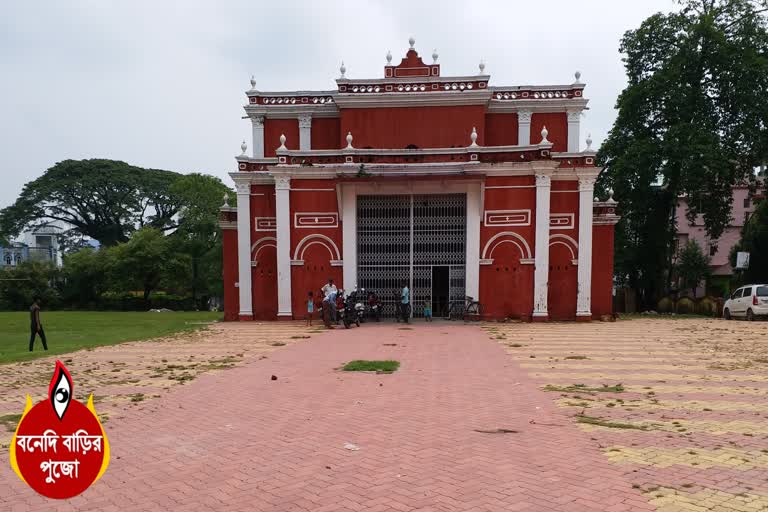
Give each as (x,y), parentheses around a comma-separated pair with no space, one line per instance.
(331,296)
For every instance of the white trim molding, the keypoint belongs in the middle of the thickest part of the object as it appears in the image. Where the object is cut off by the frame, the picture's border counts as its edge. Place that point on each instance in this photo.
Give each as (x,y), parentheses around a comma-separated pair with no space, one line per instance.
(507,237)
(541,267)
(561,221)
(243,187)
(283,218)
(507,218)
(317,239)
(586,194)
(315,220)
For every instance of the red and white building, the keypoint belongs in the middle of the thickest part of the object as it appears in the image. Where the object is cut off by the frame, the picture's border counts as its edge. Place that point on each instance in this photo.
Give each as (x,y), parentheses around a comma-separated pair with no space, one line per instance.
(451,185)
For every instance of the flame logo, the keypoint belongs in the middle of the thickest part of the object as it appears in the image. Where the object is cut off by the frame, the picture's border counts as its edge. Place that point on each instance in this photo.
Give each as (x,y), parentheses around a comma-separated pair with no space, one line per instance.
(60,414)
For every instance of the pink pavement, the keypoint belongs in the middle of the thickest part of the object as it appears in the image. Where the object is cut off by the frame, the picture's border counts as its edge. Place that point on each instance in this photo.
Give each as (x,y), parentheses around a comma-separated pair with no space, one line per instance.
(237,440)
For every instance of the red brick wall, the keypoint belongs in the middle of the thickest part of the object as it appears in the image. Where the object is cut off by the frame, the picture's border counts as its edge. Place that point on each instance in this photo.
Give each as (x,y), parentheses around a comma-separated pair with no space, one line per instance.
(273,128)
(325,133)
(602,270)
(501,129)
(229,274)
(557,126)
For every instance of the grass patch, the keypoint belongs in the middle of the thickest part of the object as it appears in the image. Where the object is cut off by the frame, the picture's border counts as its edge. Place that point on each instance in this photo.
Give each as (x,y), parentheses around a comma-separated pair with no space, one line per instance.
(68,331)
(577,357)
(277,344)
(515,345)
(10,421)
(600,422)
(361,365)
(617,388)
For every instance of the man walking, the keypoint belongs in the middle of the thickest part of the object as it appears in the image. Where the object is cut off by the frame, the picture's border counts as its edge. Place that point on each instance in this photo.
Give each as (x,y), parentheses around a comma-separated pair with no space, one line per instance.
(405,305)
(36,327)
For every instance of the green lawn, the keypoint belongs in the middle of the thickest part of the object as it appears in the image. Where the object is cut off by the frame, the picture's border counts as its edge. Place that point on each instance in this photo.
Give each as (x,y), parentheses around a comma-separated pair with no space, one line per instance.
(361,365)
(68,331)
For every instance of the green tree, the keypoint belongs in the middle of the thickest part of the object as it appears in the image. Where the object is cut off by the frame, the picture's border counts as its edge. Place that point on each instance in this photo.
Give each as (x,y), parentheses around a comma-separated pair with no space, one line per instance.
(21,283)
(198,234)
(692,266)
(102,199)
(146,262)
(692,122)
(85,276)
(754,240)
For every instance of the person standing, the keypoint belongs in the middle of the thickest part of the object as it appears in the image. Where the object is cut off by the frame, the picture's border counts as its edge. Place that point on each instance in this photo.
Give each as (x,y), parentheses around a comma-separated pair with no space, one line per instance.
(310,307)
(405,303)
(427,311)
(35,326)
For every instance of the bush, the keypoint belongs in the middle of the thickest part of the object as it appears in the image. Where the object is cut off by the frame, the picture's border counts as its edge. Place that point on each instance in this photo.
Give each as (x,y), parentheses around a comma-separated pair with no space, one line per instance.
(665,305)
(706,306)
(685,306)
(20,284)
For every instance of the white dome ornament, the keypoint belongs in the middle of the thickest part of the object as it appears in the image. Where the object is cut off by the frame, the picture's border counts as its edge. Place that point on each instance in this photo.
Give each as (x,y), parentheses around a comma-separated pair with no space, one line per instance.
(544,133)
(226,201)
(411,41)
(389,57)
(610,196)
(578,77)
(473,137)
(434,56)
(482,67)
(342,69)
(282,143)
(349,141)
(589,142)
(244,147)
(253,83)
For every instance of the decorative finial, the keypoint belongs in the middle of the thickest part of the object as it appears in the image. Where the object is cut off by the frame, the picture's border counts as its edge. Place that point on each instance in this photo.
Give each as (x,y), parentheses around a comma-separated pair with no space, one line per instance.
(244,147)
(589,142)
(343,69)
(544,133)
(434,56)
(253,83)
(389,57)
(473,137)
(282,143)
(482,67)
(349,141)
(411,41)
(597,199)
(226,200)
(610,196)
(578,77)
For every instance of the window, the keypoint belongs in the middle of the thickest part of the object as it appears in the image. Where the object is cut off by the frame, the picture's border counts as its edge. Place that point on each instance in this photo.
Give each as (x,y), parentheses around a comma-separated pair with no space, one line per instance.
(747,291)
(737,293)
(712,249)
(762,291)
(8,258)
(747,202)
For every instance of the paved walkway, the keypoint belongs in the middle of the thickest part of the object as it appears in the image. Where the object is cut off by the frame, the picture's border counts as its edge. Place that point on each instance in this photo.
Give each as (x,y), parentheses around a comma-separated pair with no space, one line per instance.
(238,440)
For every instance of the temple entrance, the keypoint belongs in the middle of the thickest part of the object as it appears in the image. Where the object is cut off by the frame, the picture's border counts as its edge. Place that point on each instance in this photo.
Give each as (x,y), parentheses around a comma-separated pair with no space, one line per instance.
(403,239)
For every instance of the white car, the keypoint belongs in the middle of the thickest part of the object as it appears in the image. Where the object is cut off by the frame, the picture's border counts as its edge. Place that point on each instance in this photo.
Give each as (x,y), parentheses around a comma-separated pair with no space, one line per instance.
(748,302)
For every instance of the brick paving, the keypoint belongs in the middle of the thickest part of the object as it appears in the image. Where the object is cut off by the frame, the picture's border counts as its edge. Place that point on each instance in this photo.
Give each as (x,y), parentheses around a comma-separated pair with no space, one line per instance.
(689,428)
(238,440)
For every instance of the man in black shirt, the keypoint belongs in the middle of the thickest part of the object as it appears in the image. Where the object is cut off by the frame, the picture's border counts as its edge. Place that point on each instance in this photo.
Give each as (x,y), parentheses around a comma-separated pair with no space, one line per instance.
(35,326)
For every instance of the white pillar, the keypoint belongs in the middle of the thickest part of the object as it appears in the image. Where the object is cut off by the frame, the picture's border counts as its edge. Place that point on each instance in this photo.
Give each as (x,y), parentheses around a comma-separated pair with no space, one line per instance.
(472,271)
(541,264)
(584,294)
(349,235)
(574,125)
(243,186)
(283,220)
(305,132)
(524,127)
(258,136)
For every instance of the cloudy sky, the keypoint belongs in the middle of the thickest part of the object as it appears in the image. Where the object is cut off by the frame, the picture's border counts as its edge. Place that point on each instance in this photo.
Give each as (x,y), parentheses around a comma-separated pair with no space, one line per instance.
(161,83)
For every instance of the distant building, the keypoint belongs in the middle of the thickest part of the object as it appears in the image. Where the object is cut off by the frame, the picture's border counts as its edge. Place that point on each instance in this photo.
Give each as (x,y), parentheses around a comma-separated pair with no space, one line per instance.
(718,250)
(41,244)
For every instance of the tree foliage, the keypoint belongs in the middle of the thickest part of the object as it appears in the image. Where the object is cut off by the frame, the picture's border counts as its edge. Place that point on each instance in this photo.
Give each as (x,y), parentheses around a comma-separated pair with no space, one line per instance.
(692,266)
(693,121)
(102,199)
(754,240)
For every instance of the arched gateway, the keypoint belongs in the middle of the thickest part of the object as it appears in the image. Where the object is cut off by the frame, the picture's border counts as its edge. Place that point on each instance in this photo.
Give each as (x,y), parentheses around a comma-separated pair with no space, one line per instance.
(463,188)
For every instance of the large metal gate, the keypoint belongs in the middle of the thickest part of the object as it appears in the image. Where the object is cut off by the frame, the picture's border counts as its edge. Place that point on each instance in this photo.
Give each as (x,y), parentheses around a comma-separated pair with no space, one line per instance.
(401,239)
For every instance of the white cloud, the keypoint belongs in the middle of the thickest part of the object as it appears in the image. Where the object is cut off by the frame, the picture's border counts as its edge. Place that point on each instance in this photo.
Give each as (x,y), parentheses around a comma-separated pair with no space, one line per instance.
(160,84)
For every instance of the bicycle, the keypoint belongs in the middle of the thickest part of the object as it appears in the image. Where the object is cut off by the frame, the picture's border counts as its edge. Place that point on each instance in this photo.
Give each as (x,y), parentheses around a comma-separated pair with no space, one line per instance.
(467,310)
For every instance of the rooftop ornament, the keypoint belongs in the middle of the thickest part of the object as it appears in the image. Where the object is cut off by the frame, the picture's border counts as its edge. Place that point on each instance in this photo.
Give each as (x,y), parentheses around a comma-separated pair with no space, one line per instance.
(343,69)
(482,67)
(389,57)
(282,143)
(473,137)
(349,141)
(226,201)
(244,147)
(589,142)
(434,56)
(544,133)
(578,77)
(411,41)
(253,83)
(610,196)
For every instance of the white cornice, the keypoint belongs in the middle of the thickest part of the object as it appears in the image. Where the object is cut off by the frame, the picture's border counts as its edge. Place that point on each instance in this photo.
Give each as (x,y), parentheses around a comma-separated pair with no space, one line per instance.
(252,178)
(537,105)
(396,152)
(420,99)
(413,79)
(291,111)
(279,94)
(568,87)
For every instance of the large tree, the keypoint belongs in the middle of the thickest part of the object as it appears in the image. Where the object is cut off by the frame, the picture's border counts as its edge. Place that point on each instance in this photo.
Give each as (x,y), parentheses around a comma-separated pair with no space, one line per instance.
(102,199)
(692,122)
(754,240)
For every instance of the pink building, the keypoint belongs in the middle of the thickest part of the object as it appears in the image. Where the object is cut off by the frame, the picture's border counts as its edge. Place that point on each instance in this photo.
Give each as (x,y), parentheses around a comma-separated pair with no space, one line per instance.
(718,250)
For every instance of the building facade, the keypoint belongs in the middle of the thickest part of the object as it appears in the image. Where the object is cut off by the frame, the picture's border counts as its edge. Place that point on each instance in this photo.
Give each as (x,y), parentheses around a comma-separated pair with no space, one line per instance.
(450,185)
(39,244)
